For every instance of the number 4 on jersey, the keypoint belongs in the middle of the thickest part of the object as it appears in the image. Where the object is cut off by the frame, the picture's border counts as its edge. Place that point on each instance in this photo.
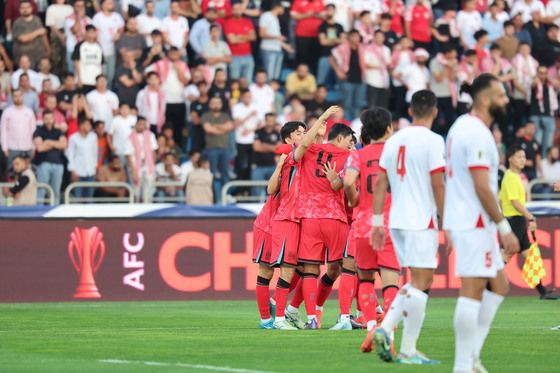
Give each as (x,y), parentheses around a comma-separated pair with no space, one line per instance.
(401,167)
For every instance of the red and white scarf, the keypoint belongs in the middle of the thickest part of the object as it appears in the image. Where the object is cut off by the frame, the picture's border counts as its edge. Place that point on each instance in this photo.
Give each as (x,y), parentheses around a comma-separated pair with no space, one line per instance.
(379,52)
(162,68)
(342,55)
(148,156)
(450,78)
(551,96)
(525,70)
(160,106)
(396,57)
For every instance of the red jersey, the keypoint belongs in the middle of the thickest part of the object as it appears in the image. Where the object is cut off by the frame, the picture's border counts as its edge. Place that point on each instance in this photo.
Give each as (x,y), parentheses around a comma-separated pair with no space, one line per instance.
(420,18)
(316,199)
(238,26)
(308,27)
(289,187)
(398,11)
(366,162)
(267,213)
(216,4)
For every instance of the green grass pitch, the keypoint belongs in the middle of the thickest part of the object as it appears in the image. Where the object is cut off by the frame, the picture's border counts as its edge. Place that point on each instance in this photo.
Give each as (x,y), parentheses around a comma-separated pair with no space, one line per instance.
(223,336)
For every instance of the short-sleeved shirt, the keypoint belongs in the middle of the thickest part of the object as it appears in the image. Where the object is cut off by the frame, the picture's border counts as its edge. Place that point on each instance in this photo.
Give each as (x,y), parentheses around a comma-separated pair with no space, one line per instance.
(409,159)
(272,26)
(90,59)
(289,188)
(264,218)
(316,198)
(308,27)
(331,32)
(107,27)
(511,189)
(420,18)
(441,88)
(35,48)
(265,137)
(53,155)
(126,94)
(239,26)
(470,146)
(216,141)
(176,29)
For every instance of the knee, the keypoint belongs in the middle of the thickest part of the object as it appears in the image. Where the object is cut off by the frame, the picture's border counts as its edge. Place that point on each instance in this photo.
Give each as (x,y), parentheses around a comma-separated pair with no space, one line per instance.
(333,271)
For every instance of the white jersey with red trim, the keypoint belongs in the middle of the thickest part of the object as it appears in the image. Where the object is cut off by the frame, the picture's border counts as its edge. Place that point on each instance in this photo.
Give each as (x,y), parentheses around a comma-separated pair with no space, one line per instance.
(409,159)
(470,146)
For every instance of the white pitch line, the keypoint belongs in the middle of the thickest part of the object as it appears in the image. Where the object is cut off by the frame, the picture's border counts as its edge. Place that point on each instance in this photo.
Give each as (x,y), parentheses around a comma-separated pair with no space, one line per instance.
(184,365)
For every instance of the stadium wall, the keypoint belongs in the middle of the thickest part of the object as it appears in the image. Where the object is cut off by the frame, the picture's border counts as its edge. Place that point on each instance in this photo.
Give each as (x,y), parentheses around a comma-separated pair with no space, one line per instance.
(125,259)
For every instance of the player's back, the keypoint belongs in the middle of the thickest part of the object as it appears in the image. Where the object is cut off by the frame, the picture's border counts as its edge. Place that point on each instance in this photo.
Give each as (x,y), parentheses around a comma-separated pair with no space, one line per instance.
(470,146)
(289,187)
(410,158)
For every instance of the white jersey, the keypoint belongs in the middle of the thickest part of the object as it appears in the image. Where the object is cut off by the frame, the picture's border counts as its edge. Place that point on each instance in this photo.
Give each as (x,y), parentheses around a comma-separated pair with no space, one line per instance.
(470,146)
(409,159)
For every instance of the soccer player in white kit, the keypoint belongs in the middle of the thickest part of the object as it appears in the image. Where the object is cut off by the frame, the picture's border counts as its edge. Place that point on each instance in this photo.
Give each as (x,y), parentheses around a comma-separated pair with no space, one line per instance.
(473,218)
(413,165)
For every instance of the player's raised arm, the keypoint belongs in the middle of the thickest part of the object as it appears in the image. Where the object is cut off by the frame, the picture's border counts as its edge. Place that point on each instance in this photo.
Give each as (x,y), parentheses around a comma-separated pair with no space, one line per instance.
(378,231)
(319,129)
(274,181)
(351,174)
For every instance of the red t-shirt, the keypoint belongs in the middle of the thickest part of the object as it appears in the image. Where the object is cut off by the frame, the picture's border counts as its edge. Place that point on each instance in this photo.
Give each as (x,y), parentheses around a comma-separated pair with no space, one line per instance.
(366,162)
(289,188)
(308,27)
(420,18)
(397,23)
(216,4)
(316,198)
(238,26)
(268,211)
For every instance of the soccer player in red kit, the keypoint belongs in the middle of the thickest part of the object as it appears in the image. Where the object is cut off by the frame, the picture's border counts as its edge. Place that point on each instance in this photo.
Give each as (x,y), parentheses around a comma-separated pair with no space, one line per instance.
(363,165)
(324,225)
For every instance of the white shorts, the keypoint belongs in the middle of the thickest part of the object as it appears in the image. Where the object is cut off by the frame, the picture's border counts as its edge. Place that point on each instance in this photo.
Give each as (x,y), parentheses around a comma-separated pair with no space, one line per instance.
(416,249)
(477,253)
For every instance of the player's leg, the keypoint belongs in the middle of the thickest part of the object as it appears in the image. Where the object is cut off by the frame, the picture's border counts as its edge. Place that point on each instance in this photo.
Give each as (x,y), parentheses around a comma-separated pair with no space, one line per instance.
(325,287)
(310,284)
(390,282)
(346,294)
(263,295)
(368,303)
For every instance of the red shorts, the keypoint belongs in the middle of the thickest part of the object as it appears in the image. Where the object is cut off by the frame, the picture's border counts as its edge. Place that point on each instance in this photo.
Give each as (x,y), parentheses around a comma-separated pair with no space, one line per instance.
(350,249)
(285,243)
(322,239)
(368,259)
(262,246)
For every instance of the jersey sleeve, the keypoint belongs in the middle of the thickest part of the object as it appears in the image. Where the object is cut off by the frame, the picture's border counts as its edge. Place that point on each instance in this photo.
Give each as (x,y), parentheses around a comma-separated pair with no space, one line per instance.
(478,156)
(437,156)
(353,162)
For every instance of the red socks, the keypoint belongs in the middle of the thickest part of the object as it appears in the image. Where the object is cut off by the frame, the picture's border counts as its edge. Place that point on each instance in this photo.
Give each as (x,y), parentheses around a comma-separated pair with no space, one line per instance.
(356,293)
(263,297)
(282,292)
(346,291)
(297,299)
(325,287)
(389,294)
(368,299)
(310,293)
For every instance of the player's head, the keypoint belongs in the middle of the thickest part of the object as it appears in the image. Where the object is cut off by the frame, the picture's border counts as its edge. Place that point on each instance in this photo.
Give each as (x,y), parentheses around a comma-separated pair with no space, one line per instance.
(292,132)
(376,124)
(489,97)
(516,158)
(340,136)
(423,107)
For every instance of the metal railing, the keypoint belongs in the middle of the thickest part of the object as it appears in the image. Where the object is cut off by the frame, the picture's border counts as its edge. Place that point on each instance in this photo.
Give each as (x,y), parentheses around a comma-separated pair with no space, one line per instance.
(165,199)
(68,199)
(542,196)
(47,187)
(230,199)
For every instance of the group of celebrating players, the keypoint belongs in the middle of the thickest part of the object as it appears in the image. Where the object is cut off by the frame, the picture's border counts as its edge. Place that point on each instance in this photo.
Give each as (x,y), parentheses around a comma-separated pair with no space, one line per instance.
(379,209)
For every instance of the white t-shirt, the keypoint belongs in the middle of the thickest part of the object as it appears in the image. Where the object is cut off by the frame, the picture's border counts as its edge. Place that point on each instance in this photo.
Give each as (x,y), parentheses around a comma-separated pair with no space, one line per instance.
(71,40)
(245,134)
(470,145)
(469,23)
(551,171)
(176,29)
(521,7)
(374,7)
(163,175)
(90,57)
(121,128)
(107,27)
(378,77)
(53,78)
(402,63)
(56,14)
(130,148)
(146,25)
(416,78)
(343,7)
(263,98)
(553,9)
(102,106)
(272,25)
(409,158)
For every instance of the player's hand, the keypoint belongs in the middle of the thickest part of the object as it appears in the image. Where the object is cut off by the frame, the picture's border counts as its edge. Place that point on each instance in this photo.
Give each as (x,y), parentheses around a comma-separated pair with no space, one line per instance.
(377,239)
(326,115)
(282,159)
(448,243)
(511,244)
(330,171)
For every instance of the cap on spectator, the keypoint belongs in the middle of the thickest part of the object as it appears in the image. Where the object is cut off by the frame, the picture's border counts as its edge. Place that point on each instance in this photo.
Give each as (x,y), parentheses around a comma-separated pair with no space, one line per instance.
(421,52)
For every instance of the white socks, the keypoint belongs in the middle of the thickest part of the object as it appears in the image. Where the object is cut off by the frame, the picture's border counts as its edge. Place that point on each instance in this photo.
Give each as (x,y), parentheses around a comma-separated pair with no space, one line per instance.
(488,308)
(395,313)
(466,332)
(414,311)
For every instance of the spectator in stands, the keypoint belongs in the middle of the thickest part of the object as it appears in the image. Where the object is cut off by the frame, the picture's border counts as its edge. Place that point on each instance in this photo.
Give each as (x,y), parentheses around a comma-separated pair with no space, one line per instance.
(12,12)
(82,157)
(469,22)
(148,22)
(319,103)
(481,37)
(391,36)
(198,108)
(156,52)
(25,68)
(110,26)
(30,37)
(220,88)
(396,9)
(30,97)
(120,130)
(141,153)
(330,36)
(222,8)
(365,26)
(348,62)
(66,93)
(524,73)
(377,57)
(174,75)
(5,86)
(75,30)
(499,66)
(129,79)
(264,147)
(24,192)
(150,102)
(301,83)
(216,52)
(526,8)
(56,15)
(50,144)
(551,164)
(169,171)
(493,24)
(188,166)
(166,144)
(199,185)
(533,166)
(520,32)
(308,16)
(272,41)
(445,29)
(103,103)
(247,120)
(508,42)
(416,76)
(551,47)
(88,60)
(103,143)
(217,125)
(418,21)
(240,33)
(45,73)
(200,32)
(131,41)
(443,77)
(537,30)
(543,106)
(175,29)
(113,171)
(401,58)
(60,122)
(262,94)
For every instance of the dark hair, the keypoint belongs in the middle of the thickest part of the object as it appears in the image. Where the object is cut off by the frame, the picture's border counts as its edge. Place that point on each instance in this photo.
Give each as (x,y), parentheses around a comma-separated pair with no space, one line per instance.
(387,16)
(123,104)
(97,123)
(339,129)
(512,150)
(99,77)
(260,70)
(481,83)
(112,157)
(90,27)
(494,46)
(47,112)
(83,121)
(479,34)
(375,122)
(524,43)
(552,26)
(290,127)
(508,23)
(139,118)
(470,53)
(214,26)
(68,74)
(155,32)
(23,75)
(423,103)
(364,13)
(202,159)
(330,5)
(271,114)
(242,91)
(446,48)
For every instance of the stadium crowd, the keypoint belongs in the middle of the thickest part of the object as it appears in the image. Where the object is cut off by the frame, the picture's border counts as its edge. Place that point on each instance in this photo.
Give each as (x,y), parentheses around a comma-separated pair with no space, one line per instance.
(195,91)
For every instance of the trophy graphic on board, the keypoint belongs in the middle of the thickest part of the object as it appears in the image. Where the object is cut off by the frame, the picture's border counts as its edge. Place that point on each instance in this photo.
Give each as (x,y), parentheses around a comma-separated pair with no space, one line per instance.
(86,250)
